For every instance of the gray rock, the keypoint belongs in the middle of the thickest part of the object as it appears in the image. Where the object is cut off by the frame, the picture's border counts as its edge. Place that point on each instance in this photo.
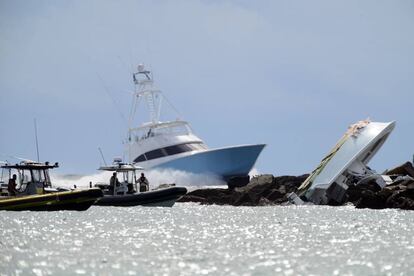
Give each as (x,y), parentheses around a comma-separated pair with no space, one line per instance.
(261,190)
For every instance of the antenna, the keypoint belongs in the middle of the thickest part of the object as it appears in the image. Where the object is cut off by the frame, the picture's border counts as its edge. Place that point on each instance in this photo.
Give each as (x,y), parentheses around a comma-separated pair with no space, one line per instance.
(37,142)
(2,171)
(112,99)
(103,158)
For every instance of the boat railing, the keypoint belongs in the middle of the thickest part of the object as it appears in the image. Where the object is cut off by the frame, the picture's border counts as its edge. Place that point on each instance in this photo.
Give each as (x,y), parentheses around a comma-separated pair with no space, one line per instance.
(173,128)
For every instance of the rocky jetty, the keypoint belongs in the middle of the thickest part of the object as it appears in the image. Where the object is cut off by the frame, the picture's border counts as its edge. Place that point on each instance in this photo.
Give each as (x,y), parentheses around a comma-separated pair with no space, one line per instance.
(269,190)
(261,190)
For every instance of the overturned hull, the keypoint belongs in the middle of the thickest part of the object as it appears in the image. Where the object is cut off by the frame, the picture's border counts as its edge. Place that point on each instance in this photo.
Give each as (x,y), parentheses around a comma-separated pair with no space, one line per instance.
(346,163)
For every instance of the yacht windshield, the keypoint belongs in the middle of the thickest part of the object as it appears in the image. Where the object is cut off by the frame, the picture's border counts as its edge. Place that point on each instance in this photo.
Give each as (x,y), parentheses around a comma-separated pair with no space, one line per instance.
(172,128)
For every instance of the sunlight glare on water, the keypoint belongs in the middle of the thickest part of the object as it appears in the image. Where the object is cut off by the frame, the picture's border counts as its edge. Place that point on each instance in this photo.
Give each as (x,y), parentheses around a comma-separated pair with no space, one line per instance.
(190,239)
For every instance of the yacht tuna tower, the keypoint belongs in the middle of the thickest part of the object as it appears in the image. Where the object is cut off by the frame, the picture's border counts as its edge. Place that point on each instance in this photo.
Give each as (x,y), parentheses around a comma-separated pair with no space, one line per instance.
(173,145)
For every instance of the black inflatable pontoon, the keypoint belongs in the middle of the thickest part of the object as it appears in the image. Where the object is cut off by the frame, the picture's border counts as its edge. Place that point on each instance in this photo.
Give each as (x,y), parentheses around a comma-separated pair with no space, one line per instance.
(164,197)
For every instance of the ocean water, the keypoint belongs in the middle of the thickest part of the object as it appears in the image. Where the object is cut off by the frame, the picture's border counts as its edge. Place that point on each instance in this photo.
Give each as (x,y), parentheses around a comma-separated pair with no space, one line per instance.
(190,239)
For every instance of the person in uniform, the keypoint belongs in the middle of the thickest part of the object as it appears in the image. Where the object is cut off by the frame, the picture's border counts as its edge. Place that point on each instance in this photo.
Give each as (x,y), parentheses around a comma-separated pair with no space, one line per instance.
(143,183)
(113,182)
(11,187)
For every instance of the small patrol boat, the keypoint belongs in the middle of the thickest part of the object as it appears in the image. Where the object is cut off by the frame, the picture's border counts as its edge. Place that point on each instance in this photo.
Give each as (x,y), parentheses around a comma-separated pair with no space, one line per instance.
(29,189)
(131,191)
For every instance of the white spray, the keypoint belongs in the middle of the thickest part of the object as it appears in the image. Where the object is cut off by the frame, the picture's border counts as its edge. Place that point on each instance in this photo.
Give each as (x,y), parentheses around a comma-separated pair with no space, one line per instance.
(156,177)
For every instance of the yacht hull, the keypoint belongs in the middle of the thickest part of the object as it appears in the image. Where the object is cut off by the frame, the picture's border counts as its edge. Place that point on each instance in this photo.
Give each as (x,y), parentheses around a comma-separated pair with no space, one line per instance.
(226,163)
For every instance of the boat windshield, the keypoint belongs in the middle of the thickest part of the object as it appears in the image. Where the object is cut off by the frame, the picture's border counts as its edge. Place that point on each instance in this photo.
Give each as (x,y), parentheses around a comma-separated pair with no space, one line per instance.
(127,176)
(23,177)
(170,128)
(26,176)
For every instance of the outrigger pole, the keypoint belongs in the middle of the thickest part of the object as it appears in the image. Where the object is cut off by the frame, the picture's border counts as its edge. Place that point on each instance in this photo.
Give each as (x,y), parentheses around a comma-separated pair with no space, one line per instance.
(37,142)
(103,158)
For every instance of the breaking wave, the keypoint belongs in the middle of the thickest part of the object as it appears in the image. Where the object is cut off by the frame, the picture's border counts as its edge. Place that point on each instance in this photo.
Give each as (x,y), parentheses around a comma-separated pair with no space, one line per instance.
(254,172)
(156,177)
(81,181)
(181,178)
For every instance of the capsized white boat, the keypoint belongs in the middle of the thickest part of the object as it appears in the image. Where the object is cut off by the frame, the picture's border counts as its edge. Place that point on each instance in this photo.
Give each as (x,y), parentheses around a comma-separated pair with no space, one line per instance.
(173,145)
(346,163)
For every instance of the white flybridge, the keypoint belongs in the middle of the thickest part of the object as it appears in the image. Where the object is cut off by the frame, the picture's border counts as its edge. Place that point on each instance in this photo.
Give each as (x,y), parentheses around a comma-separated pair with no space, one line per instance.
(173,145)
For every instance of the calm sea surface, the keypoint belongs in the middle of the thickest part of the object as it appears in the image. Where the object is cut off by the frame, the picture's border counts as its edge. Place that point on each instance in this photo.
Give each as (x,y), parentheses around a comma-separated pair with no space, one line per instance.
(189,239)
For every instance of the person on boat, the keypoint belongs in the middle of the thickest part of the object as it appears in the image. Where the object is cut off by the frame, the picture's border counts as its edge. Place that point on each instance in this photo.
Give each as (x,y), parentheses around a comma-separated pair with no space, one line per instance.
(12,185)
(143,183)
(149,134)
(113,182)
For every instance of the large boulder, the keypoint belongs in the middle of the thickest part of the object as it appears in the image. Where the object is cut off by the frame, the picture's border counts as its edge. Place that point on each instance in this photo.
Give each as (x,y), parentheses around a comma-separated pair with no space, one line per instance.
(208,196)
(404,169)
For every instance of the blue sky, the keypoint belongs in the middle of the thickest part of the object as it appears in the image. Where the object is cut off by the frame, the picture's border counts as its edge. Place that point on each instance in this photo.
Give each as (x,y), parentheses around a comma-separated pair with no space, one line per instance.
(291,74)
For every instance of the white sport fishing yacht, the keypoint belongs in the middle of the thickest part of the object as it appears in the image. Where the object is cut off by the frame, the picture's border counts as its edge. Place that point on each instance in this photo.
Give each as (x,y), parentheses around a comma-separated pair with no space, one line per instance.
(173,145)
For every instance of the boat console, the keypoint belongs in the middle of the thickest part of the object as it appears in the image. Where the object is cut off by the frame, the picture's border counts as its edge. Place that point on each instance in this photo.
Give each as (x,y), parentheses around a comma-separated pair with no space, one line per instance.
(30,177)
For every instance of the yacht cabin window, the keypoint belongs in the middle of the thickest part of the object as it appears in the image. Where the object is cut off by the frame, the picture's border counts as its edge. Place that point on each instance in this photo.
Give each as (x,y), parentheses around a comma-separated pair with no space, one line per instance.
(171,150)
